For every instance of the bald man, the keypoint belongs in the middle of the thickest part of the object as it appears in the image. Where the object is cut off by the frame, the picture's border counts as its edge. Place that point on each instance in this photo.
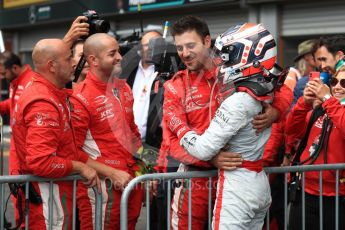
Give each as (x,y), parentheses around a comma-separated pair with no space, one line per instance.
(44,139)
(105,130)
(43,136)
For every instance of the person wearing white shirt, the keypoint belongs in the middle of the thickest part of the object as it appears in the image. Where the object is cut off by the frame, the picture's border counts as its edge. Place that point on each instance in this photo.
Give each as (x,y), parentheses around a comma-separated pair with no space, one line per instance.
(142,85)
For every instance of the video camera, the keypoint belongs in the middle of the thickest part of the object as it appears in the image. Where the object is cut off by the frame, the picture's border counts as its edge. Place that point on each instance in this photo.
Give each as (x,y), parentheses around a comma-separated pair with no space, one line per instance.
(130,42)
(96,25)
(164,56)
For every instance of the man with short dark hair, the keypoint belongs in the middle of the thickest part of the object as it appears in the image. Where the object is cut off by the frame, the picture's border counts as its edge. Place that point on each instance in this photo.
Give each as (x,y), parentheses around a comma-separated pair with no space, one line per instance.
(190,100)
(329,53)
(19,76)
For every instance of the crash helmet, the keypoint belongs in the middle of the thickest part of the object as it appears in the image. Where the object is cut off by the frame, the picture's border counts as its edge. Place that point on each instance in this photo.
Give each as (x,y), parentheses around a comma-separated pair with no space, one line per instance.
(245,50)
(246,56)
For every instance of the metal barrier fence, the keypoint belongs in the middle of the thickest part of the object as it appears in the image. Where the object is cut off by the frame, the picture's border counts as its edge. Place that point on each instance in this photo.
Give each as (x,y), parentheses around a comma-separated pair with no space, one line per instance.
(26,179)
(209,174)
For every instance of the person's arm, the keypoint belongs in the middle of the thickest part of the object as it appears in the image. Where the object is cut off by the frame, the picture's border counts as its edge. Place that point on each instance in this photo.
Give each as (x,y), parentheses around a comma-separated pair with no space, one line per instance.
(174,114)
(88,173)
(297,121)
(227,160)
(282,101)
(42,141)
(336,112)
(232,115)
(5,106)
(79,28)
(332,106)
(276,139)
(118,177)
(175,125)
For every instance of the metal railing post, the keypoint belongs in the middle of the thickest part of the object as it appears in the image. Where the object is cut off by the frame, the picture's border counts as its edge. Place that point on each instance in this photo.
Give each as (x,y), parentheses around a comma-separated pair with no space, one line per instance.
(210,203)
(98,209)
(2,216)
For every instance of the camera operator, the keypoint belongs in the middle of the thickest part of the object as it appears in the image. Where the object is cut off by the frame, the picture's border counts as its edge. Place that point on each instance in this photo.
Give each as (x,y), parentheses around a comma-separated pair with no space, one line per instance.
(81,28)
(78,29)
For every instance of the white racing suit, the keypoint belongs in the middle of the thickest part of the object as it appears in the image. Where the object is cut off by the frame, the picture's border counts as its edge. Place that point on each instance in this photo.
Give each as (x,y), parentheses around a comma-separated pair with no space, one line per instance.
(243,195)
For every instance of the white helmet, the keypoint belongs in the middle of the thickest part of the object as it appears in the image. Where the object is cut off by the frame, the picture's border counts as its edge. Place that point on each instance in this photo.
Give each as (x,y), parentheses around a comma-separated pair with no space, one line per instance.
(247,55)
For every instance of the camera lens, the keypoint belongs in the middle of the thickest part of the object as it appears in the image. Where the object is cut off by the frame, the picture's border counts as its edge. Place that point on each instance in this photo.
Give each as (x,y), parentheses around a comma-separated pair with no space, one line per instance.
(101,26)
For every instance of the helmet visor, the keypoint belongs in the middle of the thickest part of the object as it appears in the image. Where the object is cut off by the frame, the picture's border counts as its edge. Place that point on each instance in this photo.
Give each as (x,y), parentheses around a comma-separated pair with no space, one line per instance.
(230,55)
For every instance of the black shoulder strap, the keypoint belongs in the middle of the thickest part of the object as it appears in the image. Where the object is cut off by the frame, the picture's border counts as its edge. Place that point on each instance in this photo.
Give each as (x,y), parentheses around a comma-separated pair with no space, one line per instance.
(317,112)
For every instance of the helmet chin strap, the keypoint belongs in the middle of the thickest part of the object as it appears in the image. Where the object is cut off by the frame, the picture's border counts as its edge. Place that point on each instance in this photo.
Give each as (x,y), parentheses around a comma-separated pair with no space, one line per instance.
(276,72)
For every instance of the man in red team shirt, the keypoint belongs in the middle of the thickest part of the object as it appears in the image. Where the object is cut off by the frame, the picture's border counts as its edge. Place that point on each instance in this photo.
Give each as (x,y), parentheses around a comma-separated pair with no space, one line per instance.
(191,100)
(18,76)
(44,137)
(105,130)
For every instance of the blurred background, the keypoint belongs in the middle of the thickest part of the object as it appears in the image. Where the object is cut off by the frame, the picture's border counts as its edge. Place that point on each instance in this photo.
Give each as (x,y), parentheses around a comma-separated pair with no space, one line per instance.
(24,22)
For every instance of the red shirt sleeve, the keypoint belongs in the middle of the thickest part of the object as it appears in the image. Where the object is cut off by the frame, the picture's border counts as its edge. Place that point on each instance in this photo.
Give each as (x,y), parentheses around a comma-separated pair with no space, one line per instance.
(336,112)
(174,114)
(42,141)
(80,122)
(282,101)
(176,125)
(270,157)
(176,151)
(5,106)
(297,120)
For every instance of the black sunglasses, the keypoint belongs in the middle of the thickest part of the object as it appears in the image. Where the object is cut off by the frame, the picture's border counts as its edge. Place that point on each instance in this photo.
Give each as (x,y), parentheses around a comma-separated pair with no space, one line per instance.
(334,81)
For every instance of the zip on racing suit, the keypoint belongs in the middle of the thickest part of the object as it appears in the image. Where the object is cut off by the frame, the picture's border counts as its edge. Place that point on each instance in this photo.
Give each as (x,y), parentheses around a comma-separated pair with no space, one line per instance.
(105,130)
(45,146)
(188,104)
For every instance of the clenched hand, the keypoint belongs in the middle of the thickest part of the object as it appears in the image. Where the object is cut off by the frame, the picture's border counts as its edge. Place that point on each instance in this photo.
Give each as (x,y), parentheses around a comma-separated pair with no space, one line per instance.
(227,160)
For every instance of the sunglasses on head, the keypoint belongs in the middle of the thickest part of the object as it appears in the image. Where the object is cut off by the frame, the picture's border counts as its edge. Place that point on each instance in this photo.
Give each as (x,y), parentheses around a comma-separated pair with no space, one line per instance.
(334,81)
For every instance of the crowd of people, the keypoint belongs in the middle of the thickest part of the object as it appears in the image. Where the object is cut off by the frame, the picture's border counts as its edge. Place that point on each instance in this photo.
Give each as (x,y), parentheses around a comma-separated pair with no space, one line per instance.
(231,107)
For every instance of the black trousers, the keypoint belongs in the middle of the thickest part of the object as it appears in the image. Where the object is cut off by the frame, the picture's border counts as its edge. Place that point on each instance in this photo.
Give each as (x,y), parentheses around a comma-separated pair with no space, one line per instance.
(312,213)
(158,207)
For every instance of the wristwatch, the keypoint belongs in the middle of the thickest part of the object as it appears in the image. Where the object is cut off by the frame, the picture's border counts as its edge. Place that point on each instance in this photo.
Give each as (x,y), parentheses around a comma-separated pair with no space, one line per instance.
(326,97)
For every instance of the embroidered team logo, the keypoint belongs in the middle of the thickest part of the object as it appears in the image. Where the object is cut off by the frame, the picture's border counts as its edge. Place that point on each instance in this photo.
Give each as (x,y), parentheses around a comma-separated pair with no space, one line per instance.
(101,100)
(40,118)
